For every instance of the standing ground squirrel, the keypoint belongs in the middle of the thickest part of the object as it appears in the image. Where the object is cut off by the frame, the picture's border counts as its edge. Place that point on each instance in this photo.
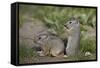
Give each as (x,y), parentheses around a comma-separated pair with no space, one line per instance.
(73,29)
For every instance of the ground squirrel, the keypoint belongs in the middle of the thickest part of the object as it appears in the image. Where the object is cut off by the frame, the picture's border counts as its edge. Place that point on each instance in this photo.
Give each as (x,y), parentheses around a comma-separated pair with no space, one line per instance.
(51,45)
(73,29)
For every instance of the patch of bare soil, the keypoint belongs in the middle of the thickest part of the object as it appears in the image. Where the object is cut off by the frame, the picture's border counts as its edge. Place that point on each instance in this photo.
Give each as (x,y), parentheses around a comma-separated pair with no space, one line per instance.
(47,59)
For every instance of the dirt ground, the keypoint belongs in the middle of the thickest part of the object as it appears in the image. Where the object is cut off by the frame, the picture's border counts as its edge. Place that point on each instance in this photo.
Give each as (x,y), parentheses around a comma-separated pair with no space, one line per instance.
(57,59)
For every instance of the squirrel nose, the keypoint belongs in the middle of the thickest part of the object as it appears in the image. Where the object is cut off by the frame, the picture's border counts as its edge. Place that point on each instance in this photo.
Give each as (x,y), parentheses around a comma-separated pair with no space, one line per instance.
(65,25)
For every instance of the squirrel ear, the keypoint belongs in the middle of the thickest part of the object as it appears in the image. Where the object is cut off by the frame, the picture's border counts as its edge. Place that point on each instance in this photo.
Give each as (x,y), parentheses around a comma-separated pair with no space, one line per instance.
(78,21)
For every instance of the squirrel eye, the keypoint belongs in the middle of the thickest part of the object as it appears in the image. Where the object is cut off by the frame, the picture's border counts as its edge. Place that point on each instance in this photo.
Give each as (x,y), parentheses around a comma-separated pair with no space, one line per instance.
(39,38)
(70,22)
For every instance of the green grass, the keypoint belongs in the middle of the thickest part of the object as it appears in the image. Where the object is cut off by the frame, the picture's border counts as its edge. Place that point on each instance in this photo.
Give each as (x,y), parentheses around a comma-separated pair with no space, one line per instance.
(26,53)
(55,17)
(88,45)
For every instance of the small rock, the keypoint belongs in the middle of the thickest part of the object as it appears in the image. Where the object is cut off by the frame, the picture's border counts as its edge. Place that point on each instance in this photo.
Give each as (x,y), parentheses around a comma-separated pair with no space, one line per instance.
(88,54)
(65,56)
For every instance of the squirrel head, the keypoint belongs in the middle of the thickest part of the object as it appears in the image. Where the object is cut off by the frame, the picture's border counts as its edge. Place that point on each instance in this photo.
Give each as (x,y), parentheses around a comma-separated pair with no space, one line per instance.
(72,22)
(42,38)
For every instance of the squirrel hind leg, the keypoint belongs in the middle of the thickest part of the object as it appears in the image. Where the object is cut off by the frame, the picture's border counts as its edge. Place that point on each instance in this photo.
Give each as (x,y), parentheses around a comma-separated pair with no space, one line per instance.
(60,54)
(40,53)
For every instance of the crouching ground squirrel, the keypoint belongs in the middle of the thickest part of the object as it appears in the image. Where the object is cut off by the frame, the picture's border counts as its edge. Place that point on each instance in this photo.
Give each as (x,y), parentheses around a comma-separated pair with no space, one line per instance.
(51,45)
(73,28)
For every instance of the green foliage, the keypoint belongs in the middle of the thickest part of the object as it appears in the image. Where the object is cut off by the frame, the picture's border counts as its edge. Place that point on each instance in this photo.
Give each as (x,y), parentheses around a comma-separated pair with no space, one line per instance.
(26,53)
(88,45)
(55,17)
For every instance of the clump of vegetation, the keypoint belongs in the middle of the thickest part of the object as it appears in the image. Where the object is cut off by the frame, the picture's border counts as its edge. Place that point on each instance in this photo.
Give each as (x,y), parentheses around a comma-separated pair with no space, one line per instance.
(88,45)
(55,17)
(26,55)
